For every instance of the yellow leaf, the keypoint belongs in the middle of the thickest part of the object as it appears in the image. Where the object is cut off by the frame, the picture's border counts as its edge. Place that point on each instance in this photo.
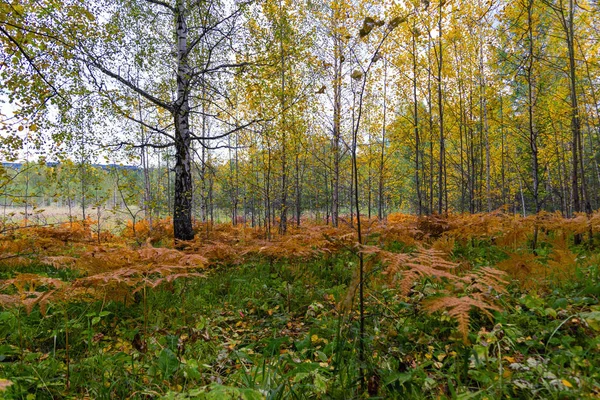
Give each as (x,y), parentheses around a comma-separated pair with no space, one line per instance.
(314,338)
(567,383)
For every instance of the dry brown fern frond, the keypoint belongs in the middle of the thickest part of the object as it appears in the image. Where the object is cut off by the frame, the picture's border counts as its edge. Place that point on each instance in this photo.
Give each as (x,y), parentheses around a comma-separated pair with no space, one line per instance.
(60,262)
(595,221)
(405,270)
(27,299)
(142,230)
(28,295)
(515,232)
(454,290)
(30,282)
(433,226)
(9,300)
(340,240)
(16,260)
(579,224)
(402,219)
(486,280)
(559,240)
(346,304)
(525,268)
(221,253)
(37,298)
(562,264)
(67,232)
(459,308)
(481,226)
(406,234)
(444,244)
(136,277)
(159,255)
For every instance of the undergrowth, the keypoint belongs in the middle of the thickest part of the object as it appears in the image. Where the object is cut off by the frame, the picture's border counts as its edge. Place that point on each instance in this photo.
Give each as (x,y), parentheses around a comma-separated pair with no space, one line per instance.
(456,307)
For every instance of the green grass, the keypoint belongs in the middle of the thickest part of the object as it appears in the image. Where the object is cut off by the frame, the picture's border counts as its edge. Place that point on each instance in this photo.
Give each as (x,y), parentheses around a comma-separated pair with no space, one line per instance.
(272,329)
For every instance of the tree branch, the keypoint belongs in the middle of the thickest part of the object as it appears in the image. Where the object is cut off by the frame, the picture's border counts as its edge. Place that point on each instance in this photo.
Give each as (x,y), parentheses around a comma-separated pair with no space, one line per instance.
(140,146)
(145,125)
(237,128)
(162,3)
(30,61)
(119,78)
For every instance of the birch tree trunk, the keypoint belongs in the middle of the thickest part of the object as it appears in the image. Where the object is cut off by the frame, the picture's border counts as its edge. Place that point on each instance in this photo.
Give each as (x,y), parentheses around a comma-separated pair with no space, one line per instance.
(182,206)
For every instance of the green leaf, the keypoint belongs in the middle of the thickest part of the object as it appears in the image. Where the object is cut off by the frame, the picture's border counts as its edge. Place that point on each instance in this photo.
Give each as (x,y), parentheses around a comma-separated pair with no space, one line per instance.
(320,383)
(532,302)
(593,319)
(302,344)
(399,377)
(322,356)
(168,362)
(550,312)
(227,392)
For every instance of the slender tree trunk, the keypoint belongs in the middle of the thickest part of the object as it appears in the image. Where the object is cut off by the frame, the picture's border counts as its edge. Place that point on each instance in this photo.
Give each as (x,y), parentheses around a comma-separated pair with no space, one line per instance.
(431,133)
(569,28)
(533,136)
(441,169)
(268,193)
(596,104)
(145,169)
(203,155)
(337,110)
(380,211)
(484,117)
(298,191)
(416,122)
(83,180)
(461,127)
(471,157)
(182,206)
(283,214)
(503,157)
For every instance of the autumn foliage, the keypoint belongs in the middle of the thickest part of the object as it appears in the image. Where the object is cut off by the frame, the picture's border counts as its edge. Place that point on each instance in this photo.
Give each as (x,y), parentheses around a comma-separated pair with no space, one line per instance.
(122,265)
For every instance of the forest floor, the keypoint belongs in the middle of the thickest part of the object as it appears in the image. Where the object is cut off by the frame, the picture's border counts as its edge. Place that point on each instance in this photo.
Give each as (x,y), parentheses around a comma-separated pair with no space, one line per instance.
(455,307)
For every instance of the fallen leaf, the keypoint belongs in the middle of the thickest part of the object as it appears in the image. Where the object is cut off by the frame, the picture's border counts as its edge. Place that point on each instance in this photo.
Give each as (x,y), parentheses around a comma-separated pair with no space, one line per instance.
(567,383)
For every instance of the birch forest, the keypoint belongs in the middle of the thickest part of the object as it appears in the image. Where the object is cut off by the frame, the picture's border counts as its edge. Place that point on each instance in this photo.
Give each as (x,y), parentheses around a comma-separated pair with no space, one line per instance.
(328,199)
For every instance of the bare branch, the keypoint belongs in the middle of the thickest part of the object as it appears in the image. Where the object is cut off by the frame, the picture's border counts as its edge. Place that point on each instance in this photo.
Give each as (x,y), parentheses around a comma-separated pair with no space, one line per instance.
(237,128)
(119,78)
(140,146)
(152,128)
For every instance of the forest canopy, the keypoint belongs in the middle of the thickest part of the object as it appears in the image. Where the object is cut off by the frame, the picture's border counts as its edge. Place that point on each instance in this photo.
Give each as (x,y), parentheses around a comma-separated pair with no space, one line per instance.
(462,106)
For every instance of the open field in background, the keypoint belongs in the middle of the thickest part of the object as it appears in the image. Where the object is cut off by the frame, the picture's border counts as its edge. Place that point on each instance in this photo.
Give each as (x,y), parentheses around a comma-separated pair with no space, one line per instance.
(456,307)
(111,219)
